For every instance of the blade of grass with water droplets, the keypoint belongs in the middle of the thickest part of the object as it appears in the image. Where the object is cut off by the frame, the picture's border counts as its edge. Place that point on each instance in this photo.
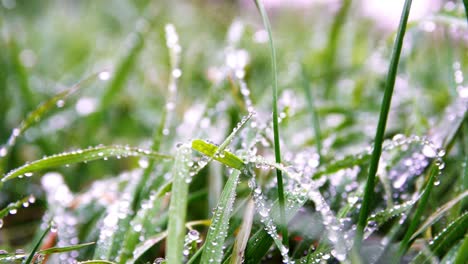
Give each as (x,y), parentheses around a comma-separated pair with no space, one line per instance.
(95,153)
(213,251)
(38,114)
(178,205)
(279,176)
(380,132)
(146,245)
(15,206)
(37,245)
(438,214)
(116,222)
(141,224)
(212,151)
(406,242)
(54,250)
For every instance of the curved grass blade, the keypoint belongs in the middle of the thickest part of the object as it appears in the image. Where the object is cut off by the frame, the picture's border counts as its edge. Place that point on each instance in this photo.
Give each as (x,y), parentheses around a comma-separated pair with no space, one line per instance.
(379,136)
(213,251)
(419,211)
(54,250)
(279,176)
(94,153)
(141,224)
(147,245)
(225,157)
(38,114)
(438,214)
(38,244)
(16,205)
(178,205)
(387,214)
(442,242)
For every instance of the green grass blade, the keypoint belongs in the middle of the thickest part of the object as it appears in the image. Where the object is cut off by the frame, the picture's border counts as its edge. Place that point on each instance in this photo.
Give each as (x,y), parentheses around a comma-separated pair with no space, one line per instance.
(16,205)
(39,113)
(438,214)
(94,153)
(123,70)
(141,225)
(379,136)
(147,245)
(279,176)
(225,157)
(54,250)
(313,112)
(453,232)
(419,211)
(333,44)
(462,254)
(213,251)
(38,244)
(178,206)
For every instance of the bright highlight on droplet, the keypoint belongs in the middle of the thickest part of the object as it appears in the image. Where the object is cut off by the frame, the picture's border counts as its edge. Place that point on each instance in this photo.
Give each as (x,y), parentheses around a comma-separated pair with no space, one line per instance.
(105,75)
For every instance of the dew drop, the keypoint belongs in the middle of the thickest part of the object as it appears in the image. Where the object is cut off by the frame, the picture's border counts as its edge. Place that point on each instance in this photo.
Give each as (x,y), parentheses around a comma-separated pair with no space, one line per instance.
(13,211)
(104,75)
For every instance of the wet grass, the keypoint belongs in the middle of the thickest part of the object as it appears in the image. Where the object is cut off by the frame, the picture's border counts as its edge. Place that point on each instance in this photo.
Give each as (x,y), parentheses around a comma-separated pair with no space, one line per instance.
(224,138)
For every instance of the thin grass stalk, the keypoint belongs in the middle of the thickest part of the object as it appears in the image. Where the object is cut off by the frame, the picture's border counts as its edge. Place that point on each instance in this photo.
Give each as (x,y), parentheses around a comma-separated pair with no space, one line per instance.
(279,176)
(379,136)
(37,245)
(313,113)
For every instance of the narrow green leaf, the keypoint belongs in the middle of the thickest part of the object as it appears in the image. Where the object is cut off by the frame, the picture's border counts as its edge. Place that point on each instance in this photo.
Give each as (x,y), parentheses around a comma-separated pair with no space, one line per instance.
(279,176)
(147,245)
(94,153)
(312,111)
(225,157)
(419,211)
(454,231)
(387,214)
(379,136)
(462,254)
(14,206)
(178,205)
(54,250)
(37,245)
(213,251)
(438,214)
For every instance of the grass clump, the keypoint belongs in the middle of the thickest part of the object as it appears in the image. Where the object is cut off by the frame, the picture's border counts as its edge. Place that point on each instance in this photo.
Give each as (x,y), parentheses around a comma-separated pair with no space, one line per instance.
(219,137)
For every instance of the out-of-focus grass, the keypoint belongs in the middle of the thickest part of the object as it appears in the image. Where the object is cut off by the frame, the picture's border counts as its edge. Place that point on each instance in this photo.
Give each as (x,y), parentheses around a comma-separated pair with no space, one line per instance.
(331,69)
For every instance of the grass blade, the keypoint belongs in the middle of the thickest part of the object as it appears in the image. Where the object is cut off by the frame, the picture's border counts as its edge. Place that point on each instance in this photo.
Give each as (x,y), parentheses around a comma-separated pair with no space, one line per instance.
(178,205)
(462,254)
(419,211)
(16,205)
(438,214)
(95,153)
(39,113)
(225,157)
(38,244)
(213,251)
(313,112)
(279,176)
(54,250)
(379,136)
(465,4)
